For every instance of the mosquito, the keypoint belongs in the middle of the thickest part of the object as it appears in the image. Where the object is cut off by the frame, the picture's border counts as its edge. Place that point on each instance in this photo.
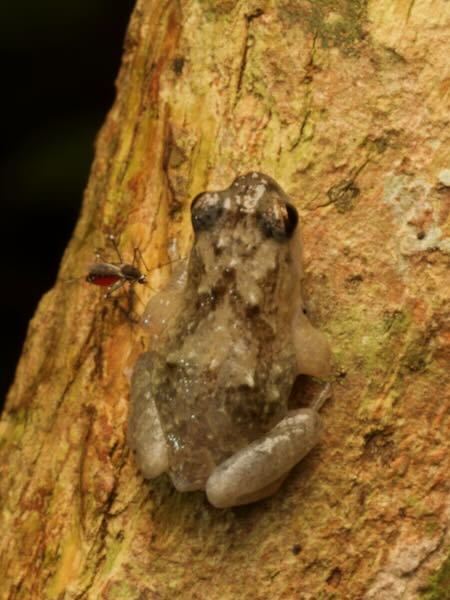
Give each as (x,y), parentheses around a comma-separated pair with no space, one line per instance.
(114,275)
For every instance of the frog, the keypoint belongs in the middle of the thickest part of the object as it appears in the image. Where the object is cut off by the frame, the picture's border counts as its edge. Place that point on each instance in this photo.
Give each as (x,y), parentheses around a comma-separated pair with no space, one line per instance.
(228,337)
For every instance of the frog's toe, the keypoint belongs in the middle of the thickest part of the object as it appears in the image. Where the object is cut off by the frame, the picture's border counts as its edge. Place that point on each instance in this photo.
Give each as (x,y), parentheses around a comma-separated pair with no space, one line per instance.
(152,463)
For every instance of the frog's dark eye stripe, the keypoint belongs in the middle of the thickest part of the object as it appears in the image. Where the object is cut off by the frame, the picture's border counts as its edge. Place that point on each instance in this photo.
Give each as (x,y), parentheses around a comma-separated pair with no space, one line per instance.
(206,209)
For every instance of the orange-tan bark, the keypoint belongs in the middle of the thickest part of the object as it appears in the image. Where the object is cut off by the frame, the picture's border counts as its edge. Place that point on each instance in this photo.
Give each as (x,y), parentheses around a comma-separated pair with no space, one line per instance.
(345,104)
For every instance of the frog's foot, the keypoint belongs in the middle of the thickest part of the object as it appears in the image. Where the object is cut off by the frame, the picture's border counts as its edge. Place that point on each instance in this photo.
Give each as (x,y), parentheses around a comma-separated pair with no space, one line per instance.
(258,470)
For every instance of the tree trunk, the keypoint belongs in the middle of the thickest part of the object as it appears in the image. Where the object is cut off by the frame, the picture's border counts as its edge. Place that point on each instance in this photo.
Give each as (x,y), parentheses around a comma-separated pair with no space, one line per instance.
(345,103)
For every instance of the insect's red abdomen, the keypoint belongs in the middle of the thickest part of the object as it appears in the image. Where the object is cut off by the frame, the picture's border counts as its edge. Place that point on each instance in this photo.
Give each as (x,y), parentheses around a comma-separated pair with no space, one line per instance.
(103,280)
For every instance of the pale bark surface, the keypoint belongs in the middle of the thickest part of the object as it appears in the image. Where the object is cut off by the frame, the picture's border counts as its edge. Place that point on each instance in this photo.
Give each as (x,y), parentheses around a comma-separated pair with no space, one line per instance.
(346,105)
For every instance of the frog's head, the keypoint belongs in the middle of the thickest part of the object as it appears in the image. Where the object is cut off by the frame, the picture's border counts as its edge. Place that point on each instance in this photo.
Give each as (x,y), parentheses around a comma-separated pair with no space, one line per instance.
(245,235)
(254,200)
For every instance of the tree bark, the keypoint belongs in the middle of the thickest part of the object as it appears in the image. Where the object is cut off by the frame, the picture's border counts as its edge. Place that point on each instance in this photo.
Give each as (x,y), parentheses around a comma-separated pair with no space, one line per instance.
(346,104)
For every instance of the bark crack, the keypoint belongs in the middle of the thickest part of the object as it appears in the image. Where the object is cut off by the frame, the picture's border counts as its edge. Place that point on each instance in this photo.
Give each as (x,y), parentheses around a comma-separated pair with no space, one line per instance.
(310,69)
(302,129)
(248,20)
(345,191)
(410,9)
(98,550)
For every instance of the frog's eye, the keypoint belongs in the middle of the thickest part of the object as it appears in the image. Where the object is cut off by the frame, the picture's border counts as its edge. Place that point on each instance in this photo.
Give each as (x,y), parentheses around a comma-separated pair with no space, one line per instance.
(291,220)
(279,221)
(206,208)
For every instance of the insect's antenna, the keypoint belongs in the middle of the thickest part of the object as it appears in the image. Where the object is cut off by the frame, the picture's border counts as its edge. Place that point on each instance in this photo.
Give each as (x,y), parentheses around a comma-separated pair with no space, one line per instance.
(138,253)
(169,262)
(113,241)
(173,260)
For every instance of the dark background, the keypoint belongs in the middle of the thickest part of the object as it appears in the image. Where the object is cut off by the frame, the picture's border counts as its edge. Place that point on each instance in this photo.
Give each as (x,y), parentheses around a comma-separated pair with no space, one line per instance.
(59,62)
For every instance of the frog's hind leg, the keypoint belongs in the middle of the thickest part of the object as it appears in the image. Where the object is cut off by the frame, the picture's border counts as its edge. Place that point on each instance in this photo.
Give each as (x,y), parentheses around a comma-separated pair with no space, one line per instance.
(145,434)
(258,470)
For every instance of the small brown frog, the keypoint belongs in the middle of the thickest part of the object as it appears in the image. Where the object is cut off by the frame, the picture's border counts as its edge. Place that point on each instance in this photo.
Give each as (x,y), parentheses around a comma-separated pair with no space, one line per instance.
(209,403)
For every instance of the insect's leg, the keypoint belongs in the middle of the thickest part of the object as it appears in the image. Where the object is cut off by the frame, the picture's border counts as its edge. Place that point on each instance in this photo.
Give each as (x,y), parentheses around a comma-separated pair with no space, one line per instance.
(99,255)
(113,288)
(131,295)
(115,245)
(139,256)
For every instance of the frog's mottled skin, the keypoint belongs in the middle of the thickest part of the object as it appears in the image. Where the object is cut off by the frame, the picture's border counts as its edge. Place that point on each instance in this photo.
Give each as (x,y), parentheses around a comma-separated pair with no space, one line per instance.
(209,402)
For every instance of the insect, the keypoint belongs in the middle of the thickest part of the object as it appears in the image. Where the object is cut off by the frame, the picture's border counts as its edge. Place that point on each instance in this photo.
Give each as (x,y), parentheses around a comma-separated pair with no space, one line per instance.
(114,275)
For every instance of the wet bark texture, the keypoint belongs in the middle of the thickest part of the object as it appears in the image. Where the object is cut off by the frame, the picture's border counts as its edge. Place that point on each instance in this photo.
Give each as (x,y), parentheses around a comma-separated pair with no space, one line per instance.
(346,105)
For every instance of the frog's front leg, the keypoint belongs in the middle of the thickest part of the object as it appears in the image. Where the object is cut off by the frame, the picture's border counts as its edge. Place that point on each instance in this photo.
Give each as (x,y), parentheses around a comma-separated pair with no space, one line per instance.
(145,434)
(258,470)
(312,349)
(164,306)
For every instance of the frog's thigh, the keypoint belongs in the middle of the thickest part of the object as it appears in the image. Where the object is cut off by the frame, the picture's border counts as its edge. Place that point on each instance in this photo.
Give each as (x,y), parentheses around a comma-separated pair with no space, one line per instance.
(145,434)
(312,349)
(258,470)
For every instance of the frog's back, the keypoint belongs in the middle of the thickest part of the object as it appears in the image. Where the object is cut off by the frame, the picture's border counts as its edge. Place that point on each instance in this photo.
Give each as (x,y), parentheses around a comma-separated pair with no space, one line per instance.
(225,371)
(217,393)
